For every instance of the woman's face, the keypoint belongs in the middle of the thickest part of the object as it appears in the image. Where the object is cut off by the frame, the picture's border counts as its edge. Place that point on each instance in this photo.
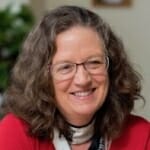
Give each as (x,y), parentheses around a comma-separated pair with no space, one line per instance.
(79,97)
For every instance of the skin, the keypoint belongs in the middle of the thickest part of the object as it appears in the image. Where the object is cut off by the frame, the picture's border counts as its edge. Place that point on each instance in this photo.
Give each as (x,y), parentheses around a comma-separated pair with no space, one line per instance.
(76,45)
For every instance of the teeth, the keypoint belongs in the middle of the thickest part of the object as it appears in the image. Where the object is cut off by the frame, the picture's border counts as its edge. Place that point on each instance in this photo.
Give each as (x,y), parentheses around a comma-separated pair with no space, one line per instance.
(82,94)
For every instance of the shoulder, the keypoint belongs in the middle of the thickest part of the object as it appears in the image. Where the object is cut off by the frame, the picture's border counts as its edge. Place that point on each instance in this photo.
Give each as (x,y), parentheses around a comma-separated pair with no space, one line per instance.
(135,134)
(12,125)
(10,120)
(136,122)
(14,135)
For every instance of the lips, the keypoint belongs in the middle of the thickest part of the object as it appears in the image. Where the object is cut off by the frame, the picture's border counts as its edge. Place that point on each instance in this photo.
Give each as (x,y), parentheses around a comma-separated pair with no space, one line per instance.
(83,93)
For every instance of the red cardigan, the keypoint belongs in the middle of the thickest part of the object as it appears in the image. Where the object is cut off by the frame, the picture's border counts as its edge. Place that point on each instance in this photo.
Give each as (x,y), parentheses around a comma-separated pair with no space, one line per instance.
(14,136)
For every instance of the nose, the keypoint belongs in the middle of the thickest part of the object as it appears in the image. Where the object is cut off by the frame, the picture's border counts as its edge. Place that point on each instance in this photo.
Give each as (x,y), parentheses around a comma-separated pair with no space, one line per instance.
(82,77)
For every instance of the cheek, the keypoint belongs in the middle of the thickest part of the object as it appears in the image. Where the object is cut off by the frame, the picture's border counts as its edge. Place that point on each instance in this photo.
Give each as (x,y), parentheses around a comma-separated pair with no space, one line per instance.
(102,84)
(61,90)
(61,86)
(101,79)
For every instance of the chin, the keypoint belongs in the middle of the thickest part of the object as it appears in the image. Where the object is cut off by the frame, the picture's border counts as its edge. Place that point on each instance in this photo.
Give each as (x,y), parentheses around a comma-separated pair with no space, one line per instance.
(86,111)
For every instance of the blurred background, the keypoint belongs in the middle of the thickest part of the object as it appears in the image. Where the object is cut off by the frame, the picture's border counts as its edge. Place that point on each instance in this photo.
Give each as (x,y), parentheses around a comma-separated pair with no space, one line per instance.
(131,23)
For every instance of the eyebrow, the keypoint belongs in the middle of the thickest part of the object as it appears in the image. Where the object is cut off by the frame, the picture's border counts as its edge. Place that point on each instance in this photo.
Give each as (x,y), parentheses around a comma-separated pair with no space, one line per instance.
(85,59)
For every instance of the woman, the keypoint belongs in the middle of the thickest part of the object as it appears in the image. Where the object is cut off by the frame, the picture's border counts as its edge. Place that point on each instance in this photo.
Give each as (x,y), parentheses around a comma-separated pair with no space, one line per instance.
(73,88)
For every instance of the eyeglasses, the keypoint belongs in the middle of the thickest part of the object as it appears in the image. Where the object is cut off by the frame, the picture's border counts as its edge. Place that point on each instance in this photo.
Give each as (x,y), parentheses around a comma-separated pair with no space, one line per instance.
(66,70)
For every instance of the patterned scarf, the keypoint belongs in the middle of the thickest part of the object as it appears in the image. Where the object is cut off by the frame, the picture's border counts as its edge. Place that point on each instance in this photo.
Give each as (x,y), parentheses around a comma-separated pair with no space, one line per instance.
(60,143)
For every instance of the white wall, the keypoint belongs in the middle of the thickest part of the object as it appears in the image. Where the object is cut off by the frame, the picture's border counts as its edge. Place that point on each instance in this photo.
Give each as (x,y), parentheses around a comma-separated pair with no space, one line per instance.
(133,26)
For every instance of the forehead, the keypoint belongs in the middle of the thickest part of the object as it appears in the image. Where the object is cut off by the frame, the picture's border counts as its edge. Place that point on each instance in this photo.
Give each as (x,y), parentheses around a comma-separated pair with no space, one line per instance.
(77,43)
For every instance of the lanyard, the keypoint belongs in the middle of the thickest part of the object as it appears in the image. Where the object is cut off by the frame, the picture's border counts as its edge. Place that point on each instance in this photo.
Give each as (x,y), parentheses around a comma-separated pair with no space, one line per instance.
(98,143)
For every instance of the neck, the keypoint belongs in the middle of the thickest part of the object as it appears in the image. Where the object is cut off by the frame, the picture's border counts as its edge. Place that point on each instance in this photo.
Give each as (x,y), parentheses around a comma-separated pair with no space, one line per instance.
(81,124)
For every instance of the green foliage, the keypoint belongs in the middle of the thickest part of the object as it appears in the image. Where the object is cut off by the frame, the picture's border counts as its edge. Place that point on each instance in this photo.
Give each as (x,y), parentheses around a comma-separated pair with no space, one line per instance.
(13,29)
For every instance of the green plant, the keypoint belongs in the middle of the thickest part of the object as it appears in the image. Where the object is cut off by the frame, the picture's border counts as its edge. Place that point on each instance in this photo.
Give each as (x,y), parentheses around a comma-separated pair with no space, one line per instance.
(13,29)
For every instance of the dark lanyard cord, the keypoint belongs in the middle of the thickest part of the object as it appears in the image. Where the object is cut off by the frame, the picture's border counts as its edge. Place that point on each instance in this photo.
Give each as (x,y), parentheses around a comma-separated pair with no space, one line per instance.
(98,143)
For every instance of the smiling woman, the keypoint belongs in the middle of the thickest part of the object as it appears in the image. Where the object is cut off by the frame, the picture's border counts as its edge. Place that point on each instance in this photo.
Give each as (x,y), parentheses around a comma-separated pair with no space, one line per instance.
(73,88)
(80,91)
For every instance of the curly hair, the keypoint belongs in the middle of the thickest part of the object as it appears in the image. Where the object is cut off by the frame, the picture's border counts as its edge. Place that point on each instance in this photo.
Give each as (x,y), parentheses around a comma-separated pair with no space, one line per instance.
(31,93)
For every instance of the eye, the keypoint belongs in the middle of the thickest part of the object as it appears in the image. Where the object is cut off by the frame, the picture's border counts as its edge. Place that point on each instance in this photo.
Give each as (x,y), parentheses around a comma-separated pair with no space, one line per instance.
(64,68)
(94,63)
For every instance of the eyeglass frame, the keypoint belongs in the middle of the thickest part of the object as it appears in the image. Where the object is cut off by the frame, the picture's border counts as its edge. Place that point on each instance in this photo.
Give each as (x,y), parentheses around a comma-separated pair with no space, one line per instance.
(51,66)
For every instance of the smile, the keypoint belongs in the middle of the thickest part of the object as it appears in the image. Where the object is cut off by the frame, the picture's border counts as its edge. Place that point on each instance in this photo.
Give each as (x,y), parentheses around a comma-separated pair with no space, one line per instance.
(83,93)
